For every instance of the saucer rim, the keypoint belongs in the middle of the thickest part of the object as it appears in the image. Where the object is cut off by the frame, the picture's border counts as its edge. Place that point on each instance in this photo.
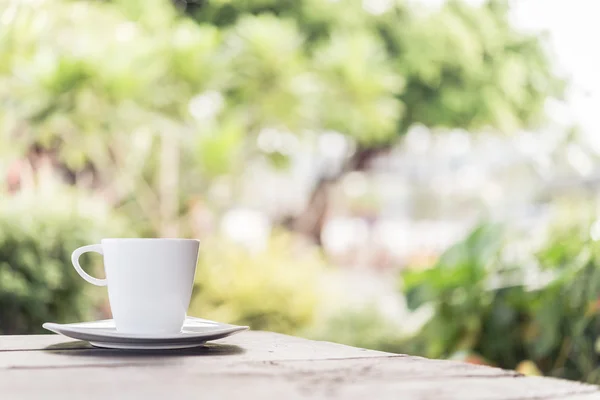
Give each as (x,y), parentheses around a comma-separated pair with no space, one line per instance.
(76,331)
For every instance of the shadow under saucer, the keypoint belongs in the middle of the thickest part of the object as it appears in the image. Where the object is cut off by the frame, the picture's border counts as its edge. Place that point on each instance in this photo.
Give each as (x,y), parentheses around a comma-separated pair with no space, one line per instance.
(85,349)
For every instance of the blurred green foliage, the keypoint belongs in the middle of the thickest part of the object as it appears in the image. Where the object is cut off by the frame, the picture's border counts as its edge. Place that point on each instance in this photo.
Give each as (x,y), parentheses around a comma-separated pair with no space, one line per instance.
(276,288)
(458,65)
(87,77)
(146,104)
(39,229)
(546,312)
(154,101)
(478,304)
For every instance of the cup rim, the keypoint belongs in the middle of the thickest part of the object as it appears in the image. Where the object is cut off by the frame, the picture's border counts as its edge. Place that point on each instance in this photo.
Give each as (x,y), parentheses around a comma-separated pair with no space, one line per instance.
(149,240)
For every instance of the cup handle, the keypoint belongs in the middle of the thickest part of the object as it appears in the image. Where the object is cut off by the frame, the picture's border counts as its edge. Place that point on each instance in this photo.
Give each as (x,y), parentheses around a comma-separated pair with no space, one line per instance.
(96,248)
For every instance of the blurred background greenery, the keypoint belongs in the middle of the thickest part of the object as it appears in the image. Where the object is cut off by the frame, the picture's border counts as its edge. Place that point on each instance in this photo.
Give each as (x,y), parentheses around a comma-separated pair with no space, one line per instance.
(392,174)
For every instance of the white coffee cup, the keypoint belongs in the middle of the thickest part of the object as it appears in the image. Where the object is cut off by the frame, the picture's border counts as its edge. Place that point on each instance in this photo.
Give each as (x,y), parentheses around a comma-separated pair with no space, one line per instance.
(149,281)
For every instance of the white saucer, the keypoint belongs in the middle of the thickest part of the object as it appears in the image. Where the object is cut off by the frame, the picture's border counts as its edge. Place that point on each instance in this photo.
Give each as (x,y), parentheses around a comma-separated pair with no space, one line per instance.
(195,332)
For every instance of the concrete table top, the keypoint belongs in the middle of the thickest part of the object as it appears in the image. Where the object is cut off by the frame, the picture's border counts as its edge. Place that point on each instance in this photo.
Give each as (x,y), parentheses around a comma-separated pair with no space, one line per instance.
(255,365)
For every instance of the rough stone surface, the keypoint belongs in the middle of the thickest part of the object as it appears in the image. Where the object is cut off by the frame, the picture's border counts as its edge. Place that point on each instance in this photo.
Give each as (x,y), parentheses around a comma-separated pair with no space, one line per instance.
(255,365)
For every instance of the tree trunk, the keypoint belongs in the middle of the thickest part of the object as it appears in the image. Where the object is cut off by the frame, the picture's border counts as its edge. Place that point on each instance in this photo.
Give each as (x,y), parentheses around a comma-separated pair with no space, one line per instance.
(311,221)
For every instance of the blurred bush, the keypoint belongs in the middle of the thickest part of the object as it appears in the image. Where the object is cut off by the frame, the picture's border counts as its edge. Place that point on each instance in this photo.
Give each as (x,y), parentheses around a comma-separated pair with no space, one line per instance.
(541,315)
(38,231)
(276,288)
(363,327)
(487,301)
